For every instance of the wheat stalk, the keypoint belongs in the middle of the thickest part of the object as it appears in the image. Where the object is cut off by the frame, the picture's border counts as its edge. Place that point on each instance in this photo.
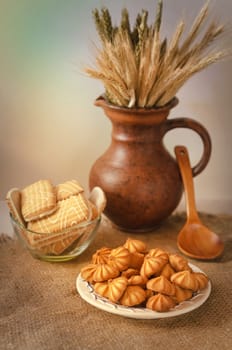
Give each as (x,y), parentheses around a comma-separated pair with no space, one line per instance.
(140,69)
(197,25)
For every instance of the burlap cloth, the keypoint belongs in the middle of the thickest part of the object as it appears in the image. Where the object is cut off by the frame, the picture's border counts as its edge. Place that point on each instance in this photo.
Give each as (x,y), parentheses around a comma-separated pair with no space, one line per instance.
(40,308)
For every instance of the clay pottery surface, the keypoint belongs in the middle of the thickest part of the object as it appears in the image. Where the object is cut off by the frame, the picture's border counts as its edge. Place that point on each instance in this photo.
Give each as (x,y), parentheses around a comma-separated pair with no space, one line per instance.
(139,177)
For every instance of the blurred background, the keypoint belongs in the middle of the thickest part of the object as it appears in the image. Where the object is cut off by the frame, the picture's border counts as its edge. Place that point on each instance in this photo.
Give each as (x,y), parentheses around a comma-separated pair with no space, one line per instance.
(49,126)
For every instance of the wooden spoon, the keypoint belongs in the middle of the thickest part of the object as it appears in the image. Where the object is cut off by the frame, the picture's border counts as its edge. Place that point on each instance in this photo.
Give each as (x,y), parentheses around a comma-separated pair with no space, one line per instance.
(195,239)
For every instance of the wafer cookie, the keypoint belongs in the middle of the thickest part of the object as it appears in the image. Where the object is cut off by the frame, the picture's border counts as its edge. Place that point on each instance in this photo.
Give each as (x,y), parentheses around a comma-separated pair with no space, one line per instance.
(57,243)
(70,212)
(67,189)
(38,200)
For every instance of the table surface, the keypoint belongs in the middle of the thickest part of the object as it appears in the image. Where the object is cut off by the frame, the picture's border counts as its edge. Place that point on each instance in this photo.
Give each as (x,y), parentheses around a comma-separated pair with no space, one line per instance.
(41,308)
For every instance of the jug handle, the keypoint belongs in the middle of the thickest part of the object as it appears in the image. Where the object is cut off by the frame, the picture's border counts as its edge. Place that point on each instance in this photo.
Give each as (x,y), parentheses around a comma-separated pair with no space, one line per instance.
(201,131)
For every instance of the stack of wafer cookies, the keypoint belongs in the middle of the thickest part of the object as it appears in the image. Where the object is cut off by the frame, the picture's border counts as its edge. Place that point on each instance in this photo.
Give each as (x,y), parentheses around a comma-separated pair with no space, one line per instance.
(52,217)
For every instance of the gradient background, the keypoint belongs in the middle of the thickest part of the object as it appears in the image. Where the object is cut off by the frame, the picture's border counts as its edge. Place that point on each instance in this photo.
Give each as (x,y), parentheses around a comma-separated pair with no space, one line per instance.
(49,126)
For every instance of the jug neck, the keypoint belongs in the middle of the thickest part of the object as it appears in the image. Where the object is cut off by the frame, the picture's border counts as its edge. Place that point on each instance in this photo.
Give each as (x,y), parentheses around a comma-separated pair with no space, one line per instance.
(137,124)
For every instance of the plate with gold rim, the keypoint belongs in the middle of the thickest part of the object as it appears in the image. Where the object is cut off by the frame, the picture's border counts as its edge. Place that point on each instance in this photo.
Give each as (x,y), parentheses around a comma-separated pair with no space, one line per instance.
(87,293)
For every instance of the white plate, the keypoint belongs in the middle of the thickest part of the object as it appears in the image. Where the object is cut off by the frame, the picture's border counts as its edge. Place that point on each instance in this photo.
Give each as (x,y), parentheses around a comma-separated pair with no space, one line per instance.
(86,291)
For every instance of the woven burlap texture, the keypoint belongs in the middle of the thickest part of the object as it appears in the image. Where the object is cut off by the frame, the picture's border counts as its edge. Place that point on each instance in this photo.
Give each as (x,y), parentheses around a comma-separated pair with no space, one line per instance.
(40,308)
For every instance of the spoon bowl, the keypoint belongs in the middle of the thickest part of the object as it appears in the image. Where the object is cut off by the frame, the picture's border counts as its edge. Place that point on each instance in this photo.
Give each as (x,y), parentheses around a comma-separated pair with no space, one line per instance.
(198,242)
(195,239)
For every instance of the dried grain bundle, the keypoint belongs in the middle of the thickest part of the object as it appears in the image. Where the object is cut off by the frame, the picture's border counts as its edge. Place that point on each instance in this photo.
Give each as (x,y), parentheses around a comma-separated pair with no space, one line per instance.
(140,69)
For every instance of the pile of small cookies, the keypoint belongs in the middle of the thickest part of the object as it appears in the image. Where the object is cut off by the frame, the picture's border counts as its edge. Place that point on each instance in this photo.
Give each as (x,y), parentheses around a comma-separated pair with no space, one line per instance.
(131,275)
(46,211)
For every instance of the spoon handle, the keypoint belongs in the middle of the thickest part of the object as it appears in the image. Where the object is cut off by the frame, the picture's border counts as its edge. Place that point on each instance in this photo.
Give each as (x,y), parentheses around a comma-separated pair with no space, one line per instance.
(186,174)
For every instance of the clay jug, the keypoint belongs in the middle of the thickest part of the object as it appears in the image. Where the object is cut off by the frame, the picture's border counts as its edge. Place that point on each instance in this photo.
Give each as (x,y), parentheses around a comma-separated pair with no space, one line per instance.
(140,178)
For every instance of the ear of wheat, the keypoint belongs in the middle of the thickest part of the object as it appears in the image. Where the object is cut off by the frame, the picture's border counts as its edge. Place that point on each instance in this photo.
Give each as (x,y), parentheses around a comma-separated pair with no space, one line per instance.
(140,69)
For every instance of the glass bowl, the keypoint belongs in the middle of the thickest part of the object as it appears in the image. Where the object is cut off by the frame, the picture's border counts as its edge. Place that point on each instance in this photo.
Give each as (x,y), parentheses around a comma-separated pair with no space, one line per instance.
(60,246)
